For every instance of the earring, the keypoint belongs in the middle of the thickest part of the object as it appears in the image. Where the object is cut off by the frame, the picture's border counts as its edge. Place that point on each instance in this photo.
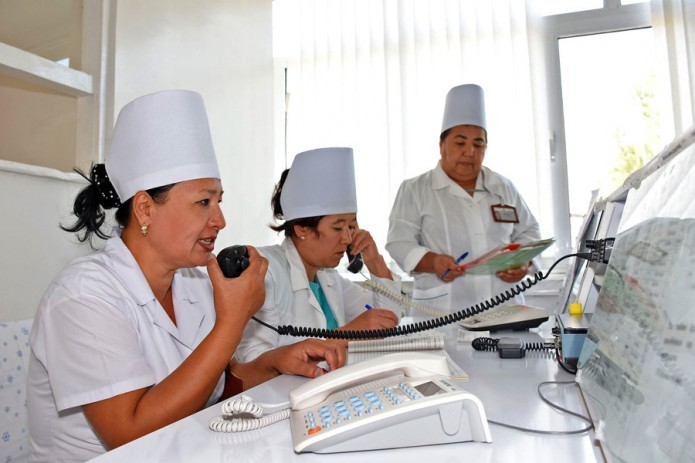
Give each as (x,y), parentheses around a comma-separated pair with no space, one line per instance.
(143,229)
(301,238)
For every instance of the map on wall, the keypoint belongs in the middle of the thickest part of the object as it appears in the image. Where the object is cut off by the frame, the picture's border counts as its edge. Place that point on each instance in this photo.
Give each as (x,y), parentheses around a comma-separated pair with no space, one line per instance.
(636,366)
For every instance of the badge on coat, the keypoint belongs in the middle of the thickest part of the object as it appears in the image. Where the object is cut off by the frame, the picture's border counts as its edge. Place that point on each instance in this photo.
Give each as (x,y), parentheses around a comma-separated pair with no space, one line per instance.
(503,213)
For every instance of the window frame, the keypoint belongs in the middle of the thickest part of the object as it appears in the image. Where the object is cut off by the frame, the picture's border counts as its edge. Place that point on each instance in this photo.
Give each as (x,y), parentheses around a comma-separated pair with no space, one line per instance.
(613,17)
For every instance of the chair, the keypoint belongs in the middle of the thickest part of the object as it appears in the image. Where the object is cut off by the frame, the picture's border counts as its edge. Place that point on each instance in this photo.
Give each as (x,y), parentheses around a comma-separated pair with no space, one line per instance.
(14,418)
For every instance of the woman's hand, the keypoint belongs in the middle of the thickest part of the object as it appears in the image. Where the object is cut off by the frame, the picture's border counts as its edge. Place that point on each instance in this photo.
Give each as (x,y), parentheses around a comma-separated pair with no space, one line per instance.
(513,275)
(372,319)
(442,265)
(301,359)
(362,242)
(237,299)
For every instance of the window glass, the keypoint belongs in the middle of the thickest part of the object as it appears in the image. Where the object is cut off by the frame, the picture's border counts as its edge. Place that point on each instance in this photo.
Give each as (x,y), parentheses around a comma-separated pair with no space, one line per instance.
(611,108)
(552,7)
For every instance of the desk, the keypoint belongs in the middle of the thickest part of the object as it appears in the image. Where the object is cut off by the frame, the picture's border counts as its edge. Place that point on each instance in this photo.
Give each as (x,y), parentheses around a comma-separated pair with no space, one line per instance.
(506,387)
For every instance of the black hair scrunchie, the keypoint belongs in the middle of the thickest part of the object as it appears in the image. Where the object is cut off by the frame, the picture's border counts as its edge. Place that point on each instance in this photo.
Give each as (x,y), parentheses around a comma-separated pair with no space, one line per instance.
(100,179)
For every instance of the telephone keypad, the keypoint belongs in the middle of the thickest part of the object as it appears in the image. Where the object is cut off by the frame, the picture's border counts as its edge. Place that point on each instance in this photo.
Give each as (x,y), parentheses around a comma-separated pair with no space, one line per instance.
(355,406)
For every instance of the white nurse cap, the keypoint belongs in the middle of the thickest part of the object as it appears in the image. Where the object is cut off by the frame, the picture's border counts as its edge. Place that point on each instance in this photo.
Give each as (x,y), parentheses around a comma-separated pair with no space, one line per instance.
(465,105)
(159,139)
(320,182)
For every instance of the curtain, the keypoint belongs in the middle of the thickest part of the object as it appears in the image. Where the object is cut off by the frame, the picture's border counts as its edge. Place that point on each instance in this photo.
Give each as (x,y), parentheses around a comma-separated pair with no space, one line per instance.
(373,75)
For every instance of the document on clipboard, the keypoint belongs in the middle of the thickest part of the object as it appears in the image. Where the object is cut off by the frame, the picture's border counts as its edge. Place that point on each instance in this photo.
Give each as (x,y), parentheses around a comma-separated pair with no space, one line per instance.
(506,256)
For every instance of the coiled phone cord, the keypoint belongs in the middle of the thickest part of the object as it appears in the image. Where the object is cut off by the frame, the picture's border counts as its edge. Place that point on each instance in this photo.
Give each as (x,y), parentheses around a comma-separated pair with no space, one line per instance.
(490,345)
(239,415)
(302,331)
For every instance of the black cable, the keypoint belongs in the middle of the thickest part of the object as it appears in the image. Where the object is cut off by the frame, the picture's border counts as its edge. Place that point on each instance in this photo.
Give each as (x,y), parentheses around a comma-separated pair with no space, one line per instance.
(302,331)
(562,364)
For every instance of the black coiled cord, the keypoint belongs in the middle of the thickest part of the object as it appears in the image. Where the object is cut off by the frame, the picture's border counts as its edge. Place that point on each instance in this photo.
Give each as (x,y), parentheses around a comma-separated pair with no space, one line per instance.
(490,344)
(303,331)
(485,344)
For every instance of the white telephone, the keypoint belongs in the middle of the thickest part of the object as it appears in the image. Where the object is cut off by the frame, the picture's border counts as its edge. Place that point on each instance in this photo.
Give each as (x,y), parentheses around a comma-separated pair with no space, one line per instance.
(397,400)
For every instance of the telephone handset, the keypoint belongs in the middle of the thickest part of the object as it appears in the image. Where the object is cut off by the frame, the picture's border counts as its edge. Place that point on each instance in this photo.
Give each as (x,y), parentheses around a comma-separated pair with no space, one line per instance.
(315,391)
(396,400)
(355,262)
(233,260)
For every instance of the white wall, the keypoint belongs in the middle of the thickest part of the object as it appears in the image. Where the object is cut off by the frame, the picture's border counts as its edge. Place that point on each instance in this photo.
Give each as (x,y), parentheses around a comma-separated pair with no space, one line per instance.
(223,50)
(219,48)
(34,201)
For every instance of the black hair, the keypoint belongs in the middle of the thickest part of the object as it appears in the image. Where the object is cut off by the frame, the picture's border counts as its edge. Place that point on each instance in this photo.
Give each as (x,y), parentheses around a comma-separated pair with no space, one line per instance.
(288,226)
(98,196)
(446,132)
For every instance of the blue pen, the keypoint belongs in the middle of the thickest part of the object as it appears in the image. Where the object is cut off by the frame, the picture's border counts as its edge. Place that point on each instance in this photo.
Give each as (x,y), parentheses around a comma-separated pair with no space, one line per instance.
(458,261)
(368,307)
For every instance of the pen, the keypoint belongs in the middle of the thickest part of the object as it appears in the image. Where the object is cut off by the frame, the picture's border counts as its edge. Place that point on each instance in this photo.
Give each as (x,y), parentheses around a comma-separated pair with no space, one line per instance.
(368,307)
(458,261)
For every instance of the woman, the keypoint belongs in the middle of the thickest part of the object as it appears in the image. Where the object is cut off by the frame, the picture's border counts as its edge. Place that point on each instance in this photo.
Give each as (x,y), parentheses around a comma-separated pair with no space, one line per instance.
(132,338)
(316,198)
(458,208)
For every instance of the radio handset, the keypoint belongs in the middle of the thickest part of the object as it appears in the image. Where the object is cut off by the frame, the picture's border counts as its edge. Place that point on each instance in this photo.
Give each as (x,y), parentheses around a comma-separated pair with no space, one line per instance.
(355,262)
(233,260)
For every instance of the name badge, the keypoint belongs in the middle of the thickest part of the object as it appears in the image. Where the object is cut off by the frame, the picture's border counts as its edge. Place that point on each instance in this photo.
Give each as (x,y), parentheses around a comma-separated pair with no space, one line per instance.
(505,214)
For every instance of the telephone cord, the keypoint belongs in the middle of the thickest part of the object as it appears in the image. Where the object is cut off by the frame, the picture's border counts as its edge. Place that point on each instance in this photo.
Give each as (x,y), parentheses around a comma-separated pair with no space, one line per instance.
(586,419)
(302,331)
(241,414)
(402,298)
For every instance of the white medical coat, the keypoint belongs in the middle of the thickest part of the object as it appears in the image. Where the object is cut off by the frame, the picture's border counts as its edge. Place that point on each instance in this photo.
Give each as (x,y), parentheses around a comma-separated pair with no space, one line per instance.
(290,301)
(433,213)
(100,332)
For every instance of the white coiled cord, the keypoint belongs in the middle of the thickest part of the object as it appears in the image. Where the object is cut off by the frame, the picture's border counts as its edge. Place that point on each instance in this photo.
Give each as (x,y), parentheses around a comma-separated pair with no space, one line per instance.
(401,298)
(241,414)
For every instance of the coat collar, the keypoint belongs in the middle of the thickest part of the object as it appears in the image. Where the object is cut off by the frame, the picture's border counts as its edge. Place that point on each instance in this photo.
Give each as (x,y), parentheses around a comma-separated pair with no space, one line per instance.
(130,273)
(298,272)
(441,180)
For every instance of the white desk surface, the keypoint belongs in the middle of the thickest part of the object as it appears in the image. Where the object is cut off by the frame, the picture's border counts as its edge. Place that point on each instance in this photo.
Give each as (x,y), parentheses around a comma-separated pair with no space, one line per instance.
(506,387)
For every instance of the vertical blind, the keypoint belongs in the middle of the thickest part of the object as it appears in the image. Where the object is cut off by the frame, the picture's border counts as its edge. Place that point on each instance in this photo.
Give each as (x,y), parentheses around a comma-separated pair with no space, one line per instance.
(373,75)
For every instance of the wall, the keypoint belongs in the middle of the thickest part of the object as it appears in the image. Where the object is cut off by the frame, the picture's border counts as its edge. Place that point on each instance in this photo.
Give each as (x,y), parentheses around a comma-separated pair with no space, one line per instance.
(219,48)
(33,203)
(40,121)
(222,50)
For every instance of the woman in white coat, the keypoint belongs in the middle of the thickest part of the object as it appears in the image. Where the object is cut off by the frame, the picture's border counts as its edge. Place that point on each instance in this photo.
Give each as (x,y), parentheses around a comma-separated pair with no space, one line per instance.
(456,208)
(133,337)
(316,198)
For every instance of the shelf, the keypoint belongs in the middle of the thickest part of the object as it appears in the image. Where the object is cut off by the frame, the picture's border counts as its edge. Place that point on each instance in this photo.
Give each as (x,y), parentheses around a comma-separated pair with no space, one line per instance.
(35,69)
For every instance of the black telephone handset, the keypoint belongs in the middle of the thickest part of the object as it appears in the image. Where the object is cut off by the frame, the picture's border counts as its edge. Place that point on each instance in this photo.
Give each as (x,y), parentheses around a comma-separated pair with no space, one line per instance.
(233,260)
(354,262)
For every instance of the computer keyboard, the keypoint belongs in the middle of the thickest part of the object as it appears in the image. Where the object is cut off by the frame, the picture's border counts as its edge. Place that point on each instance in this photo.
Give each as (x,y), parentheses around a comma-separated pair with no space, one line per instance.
(507,317)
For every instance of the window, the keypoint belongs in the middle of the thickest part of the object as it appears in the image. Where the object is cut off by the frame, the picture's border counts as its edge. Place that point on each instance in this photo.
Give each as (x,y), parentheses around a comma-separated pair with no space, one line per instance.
(611,107)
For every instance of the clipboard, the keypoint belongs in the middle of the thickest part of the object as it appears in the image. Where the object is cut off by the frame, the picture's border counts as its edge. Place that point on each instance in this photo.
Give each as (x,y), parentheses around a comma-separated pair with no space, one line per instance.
(506,256)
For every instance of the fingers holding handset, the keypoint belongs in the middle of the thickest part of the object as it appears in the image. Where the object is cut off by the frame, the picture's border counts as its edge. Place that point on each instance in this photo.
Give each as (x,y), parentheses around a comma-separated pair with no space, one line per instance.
(241,296)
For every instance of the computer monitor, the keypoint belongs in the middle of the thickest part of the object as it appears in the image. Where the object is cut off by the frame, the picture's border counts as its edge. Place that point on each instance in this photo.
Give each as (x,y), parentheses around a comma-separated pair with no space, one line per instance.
(584,278)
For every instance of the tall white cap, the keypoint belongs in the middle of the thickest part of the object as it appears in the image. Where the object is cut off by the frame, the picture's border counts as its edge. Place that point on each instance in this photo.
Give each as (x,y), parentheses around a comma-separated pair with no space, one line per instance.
(159,139)
(320,182)
(465,105)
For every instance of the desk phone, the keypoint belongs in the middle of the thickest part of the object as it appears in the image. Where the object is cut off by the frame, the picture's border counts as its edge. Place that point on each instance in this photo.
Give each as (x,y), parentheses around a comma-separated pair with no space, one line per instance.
(397,400)
(508,317)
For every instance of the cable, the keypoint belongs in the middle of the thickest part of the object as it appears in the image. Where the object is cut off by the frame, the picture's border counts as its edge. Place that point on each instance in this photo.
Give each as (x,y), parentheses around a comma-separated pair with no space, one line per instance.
(301,331)
(509,347)
(241,414)
(401,298)
(563,365)
(555,406)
